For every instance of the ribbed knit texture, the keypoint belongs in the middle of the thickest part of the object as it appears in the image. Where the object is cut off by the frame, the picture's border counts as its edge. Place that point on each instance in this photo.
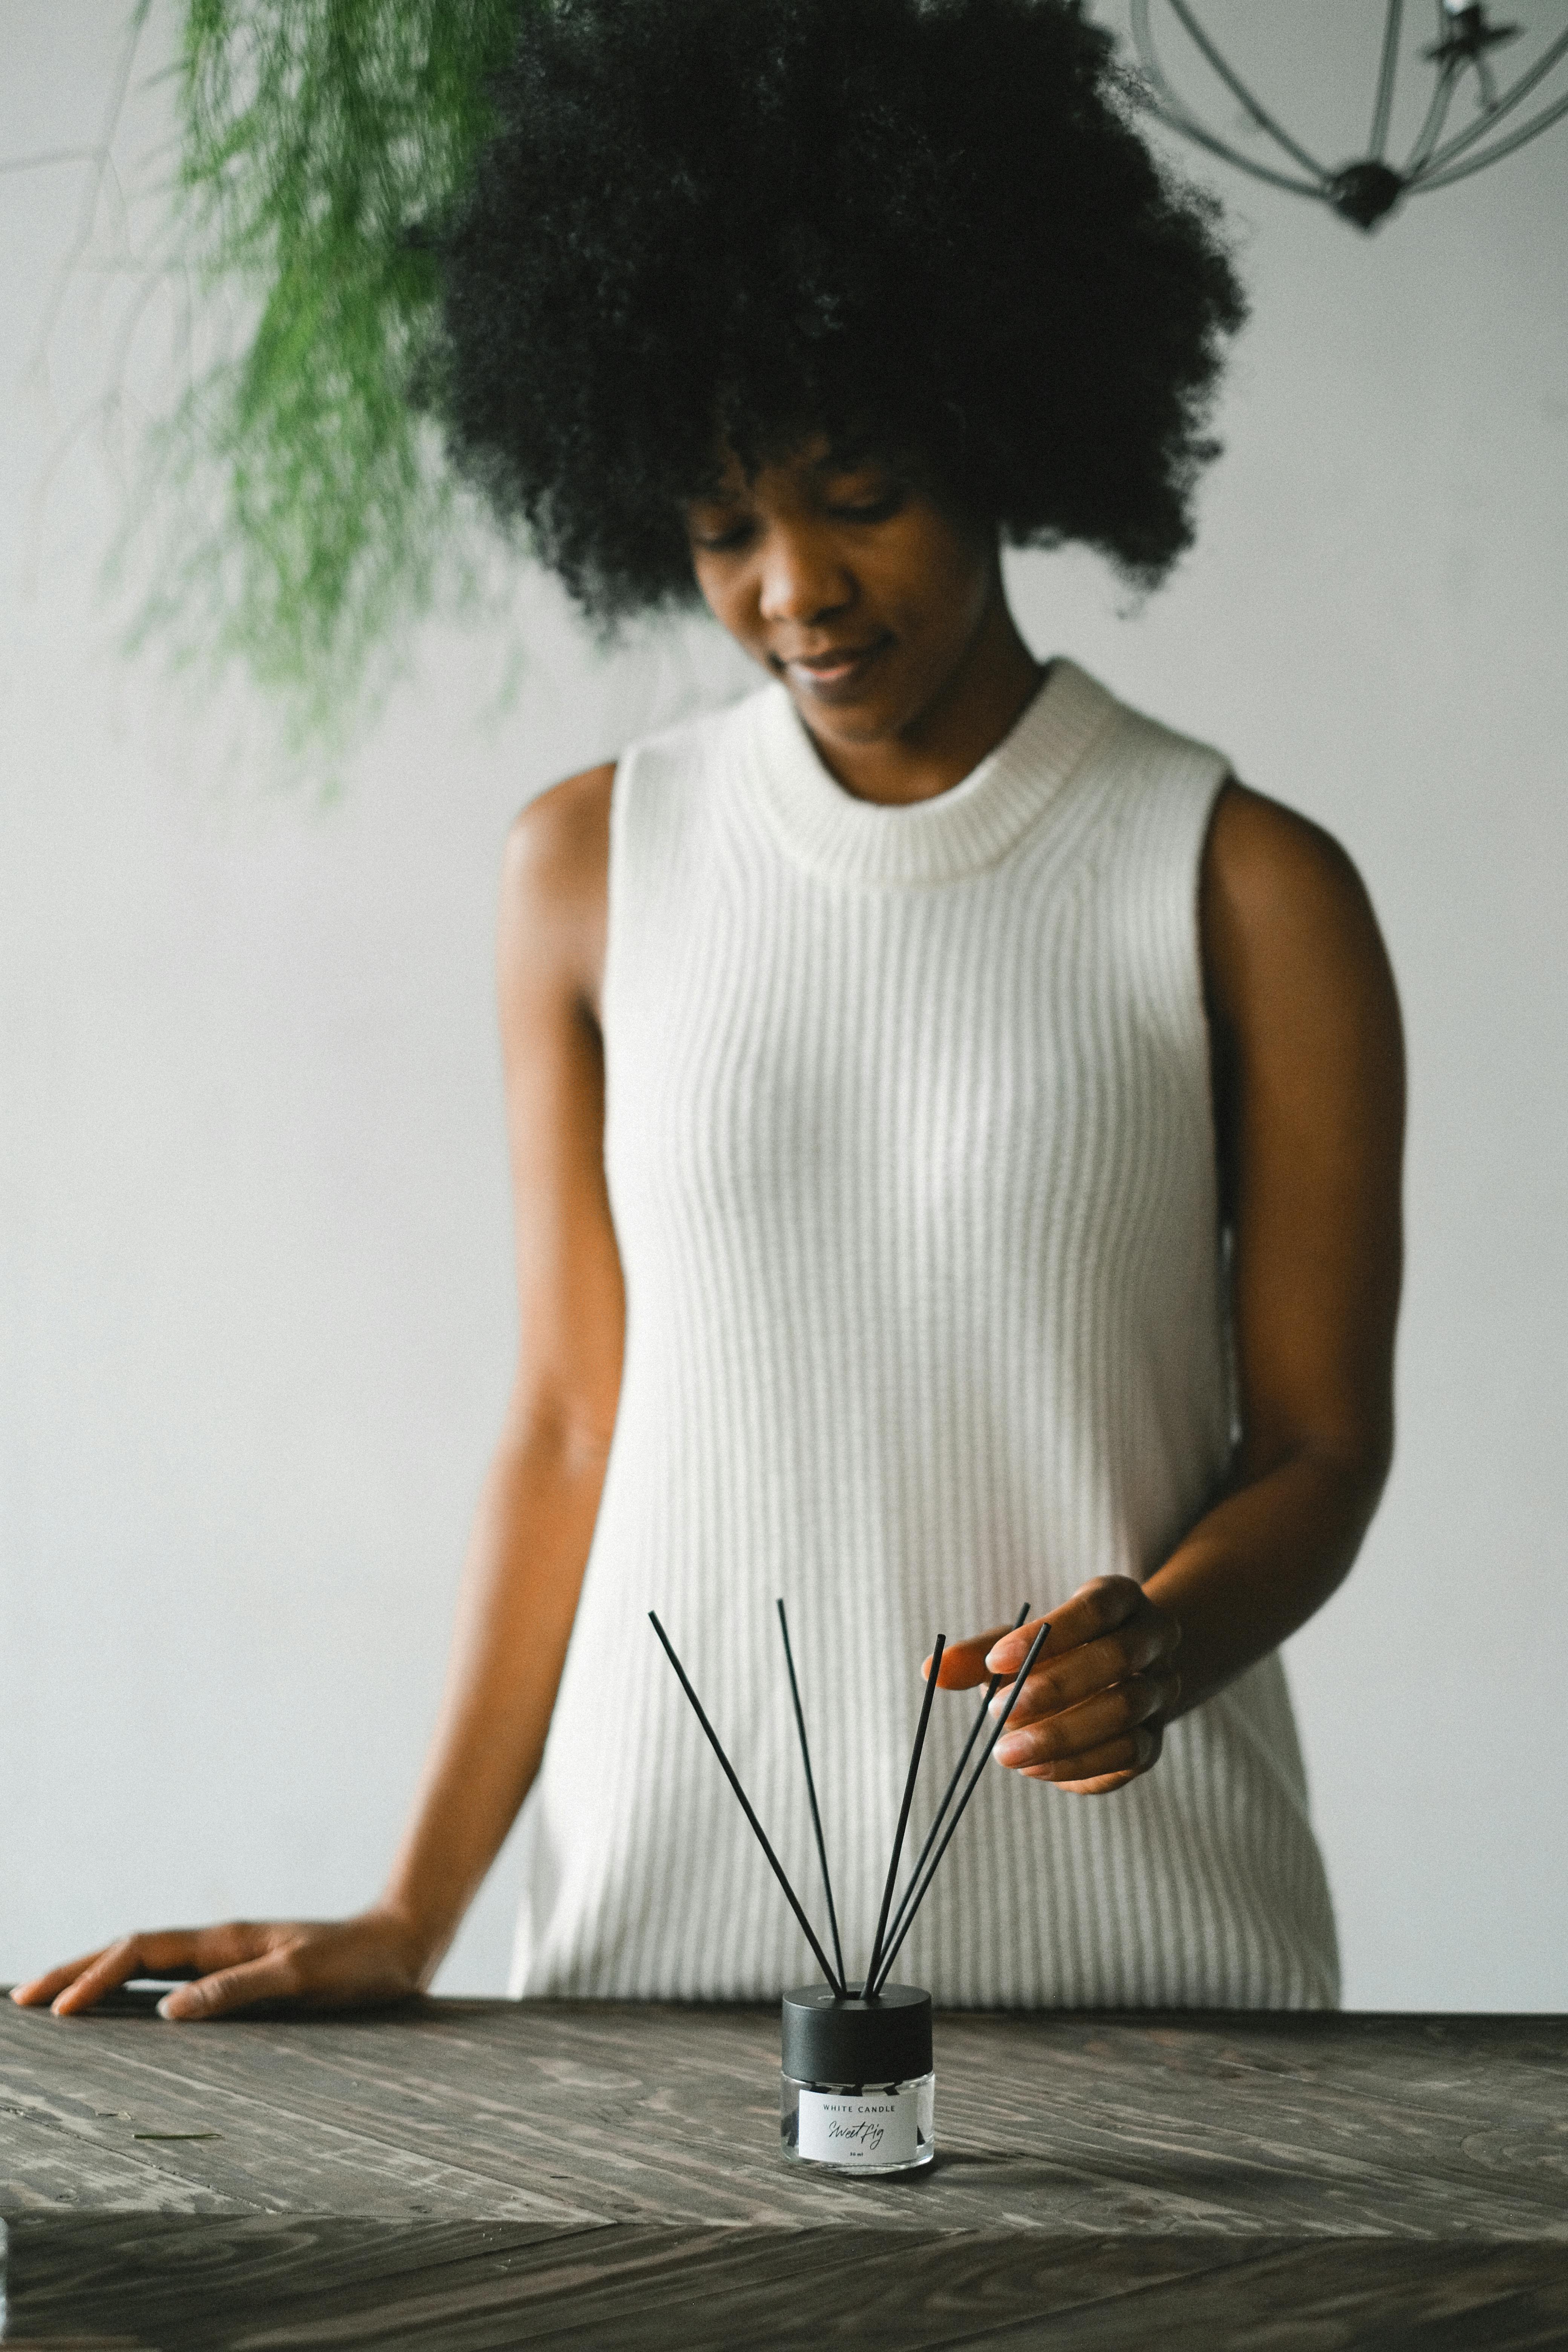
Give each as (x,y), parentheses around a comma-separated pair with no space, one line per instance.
(912,1168)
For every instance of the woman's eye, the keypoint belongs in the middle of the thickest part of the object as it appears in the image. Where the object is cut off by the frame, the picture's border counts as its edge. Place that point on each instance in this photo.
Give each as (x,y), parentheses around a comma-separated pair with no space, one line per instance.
(718,539)
(881,508)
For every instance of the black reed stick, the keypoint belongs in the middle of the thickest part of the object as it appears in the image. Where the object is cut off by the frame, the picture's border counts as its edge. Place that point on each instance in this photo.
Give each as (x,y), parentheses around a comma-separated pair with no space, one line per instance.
(991,1688)
(757,1830)
(1024,1671)
(868,1989)
(811,1793)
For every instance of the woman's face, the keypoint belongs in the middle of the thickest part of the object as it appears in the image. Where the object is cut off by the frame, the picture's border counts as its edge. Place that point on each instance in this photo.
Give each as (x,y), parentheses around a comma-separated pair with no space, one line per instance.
(858,589)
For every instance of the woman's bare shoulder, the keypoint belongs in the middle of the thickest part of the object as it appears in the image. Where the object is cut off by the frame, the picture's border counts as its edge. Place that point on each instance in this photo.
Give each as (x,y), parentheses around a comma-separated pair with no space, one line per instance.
(1279,888)
(1295,969)
(554,881)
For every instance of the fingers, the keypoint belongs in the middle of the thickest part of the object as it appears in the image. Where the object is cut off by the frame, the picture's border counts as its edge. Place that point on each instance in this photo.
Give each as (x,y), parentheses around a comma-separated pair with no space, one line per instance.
(1054,1687)
(1110,1715)
(1102,1785)
(373,1957)
(1142,1639)
(80,1984)
(1061,1746)
(314,1963)
(1117,1759)
(39,1990)
(275,1977)
(1109,1767)
(165,1952)
(1092,1716)
(1098,1608)
(964,1663)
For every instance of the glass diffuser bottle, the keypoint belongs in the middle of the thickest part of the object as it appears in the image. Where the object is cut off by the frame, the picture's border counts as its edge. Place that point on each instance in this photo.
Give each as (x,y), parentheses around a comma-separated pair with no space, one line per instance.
(858,2090)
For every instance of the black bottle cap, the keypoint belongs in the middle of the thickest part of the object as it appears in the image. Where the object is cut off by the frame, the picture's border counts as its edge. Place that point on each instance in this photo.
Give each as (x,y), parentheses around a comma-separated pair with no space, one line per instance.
(830,2038)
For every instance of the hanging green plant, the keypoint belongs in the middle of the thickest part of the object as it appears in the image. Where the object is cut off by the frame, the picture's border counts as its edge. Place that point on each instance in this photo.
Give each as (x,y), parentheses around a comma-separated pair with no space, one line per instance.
(301,516)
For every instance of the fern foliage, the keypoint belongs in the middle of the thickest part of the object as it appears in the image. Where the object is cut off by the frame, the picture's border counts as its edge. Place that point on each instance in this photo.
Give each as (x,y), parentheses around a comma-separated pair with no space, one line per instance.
(315,137)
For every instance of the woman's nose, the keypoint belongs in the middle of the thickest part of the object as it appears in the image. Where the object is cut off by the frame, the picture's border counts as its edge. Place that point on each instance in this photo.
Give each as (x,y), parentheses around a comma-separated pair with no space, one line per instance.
(804,579)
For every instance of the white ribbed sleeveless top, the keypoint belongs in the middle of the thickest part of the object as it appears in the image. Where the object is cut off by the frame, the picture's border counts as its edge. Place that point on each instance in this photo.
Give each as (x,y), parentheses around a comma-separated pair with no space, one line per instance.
(912,1162)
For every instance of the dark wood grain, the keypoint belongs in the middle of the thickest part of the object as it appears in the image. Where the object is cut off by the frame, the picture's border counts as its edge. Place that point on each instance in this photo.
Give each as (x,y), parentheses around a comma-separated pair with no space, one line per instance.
(570,2115)
(489,2173)
(269,2283)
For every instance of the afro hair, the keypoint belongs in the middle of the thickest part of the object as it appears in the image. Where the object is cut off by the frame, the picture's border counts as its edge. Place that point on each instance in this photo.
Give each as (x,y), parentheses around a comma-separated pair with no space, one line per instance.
(924,227)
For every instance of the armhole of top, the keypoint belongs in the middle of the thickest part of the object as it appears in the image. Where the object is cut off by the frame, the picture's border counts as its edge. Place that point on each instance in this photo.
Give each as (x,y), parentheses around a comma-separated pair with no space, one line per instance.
(1224,774)
(1212,773)
(1183,783)
(621,786)
(1220,773)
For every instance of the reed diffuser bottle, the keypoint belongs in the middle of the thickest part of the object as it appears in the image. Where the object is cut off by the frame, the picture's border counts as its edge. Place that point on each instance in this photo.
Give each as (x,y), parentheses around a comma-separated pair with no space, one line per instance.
(857,2084)
(859,2089)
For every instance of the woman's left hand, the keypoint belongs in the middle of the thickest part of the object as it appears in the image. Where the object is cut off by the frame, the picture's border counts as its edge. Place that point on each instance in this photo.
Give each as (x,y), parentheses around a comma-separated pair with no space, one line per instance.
(1092,1714)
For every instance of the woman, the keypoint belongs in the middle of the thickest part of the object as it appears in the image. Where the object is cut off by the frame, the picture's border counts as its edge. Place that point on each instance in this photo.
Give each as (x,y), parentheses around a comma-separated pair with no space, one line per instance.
(955,1125)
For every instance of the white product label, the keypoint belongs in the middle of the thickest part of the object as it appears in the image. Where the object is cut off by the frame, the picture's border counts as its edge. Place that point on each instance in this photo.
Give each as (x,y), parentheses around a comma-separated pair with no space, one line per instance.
(858,2126)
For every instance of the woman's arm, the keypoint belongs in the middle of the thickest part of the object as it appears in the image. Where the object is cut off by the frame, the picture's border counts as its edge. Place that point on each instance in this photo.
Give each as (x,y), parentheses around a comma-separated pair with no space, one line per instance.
(536,1520)
(1310,1098)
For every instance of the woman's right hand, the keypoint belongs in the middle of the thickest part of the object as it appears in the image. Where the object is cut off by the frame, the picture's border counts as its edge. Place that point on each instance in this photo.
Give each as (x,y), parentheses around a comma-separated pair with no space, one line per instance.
(318,1963)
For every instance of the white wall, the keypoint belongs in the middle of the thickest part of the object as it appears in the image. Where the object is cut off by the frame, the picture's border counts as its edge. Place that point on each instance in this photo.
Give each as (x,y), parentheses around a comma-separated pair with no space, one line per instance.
(254,1256)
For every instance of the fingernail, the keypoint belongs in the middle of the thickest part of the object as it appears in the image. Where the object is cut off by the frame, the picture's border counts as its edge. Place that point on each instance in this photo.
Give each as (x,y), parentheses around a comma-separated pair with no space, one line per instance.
(164,2008)
(1010,1751)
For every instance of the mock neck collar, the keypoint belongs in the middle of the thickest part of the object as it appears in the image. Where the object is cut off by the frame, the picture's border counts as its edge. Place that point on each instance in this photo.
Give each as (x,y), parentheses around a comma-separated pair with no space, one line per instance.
(970,825)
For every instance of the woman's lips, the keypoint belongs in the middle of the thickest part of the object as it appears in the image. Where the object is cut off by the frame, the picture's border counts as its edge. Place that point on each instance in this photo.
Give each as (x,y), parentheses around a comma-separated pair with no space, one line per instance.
(834,674)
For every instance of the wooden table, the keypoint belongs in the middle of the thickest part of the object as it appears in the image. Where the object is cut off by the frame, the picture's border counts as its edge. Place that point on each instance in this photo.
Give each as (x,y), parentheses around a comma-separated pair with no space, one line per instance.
(473,2174)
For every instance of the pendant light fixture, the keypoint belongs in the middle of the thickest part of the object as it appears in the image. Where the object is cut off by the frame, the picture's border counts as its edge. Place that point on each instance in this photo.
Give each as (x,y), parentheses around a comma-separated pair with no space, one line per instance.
(1463,57)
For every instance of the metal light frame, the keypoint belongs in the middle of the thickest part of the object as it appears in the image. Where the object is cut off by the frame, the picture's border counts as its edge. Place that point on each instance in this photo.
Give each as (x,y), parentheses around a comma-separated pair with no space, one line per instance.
(1365,190)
